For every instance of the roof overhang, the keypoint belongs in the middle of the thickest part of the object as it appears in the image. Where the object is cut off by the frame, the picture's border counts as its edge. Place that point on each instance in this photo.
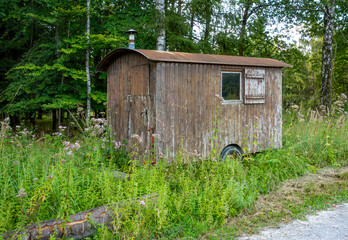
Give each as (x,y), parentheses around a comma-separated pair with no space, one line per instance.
(180,57)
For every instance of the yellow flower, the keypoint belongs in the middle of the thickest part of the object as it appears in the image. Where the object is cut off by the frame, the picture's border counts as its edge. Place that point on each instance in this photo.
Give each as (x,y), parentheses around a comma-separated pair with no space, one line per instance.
(327,144)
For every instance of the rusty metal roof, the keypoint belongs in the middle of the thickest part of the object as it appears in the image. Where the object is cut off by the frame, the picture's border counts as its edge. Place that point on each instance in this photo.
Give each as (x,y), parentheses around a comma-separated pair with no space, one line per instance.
(163,56)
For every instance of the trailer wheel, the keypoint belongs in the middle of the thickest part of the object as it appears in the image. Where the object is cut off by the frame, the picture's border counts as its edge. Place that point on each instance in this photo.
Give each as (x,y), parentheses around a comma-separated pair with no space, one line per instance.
(231,151)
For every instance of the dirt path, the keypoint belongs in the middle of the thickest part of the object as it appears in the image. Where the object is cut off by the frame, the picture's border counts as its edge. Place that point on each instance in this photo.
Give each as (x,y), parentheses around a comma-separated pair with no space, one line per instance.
(277,210)
(326,225)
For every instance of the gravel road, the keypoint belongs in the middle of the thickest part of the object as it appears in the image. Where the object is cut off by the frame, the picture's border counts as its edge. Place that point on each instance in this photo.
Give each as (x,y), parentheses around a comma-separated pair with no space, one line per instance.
(326,225)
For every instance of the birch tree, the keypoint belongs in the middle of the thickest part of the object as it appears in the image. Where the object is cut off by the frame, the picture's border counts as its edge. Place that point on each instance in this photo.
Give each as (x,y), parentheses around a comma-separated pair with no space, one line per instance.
(327,64)
(161,37)
(87,67)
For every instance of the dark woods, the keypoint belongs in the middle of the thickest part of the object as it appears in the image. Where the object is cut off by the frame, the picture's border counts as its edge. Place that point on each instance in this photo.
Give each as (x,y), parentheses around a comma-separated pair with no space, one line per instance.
(45,46)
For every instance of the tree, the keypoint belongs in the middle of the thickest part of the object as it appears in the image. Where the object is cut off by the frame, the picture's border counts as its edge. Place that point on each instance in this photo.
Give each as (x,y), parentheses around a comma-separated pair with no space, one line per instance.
(161,37)
(318,19)
(87,66)
(327,64)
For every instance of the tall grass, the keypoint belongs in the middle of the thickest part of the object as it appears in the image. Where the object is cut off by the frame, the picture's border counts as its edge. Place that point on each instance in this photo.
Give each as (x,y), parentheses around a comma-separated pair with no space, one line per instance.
(49,177)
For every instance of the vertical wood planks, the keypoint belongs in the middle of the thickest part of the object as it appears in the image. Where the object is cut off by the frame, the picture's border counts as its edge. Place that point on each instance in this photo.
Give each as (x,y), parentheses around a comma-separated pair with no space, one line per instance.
(181,105)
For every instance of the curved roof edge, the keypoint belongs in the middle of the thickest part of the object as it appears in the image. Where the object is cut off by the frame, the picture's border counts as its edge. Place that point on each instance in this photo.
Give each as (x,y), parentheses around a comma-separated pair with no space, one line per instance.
(163,56)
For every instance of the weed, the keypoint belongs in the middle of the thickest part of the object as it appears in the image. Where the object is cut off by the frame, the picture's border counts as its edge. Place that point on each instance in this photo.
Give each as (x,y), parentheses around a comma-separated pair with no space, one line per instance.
(195,195)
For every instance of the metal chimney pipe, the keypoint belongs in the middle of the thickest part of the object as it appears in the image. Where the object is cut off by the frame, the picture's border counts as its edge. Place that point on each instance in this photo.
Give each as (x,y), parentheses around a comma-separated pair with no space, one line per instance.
(131,33)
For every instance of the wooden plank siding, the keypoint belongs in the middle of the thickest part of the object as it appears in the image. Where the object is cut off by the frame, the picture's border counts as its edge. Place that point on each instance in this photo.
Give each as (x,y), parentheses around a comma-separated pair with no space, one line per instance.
(178,100)
(129,103)
(186,107)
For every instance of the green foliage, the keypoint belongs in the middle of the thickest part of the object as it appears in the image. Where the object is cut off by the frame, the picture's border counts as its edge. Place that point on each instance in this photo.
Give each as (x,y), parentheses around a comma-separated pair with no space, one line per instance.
(61,178)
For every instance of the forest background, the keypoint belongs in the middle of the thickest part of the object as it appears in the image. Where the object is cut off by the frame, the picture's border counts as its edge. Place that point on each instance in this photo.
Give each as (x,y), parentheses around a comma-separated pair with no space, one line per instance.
(50,48)
(48,57)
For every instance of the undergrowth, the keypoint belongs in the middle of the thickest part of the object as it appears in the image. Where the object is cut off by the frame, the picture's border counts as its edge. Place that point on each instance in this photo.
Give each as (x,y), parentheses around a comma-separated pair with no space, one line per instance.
(50,177)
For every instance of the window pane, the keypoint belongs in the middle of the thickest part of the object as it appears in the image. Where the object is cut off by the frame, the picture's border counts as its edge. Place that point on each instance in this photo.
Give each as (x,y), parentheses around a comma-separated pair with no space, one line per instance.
(231,86)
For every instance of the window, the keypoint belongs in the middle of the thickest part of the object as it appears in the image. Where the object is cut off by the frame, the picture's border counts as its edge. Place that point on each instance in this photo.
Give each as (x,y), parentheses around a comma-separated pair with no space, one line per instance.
(231,85)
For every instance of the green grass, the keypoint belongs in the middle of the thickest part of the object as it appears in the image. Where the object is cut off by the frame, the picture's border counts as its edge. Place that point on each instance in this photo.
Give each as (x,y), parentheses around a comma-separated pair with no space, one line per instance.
(196,197)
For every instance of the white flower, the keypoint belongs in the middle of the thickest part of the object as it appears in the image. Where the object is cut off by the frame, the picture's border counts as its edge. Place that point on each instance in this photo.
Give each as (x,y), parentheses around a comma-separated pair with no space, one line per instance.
(156,135)
(137,137)
(219,97)
(142,203)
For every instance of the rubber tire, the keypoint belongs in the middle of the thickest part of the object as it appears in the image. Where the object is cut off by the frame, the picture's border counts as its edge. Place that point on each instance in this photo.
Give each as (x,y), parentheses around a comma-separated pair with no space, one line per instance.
(230,150)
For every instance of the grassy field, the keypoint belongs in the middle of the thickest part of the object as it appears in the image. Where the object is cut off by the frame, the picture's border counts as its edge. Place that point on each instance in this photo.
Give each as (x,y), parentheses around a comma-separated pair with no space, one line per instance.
(49,176)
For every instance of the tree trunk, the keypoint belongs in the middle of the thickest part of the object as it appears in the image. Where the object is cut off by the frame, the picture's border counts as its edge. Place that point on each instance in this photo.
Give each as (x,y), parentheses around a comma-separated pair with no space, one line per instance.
(326,69)
(39,115)
(54,120)
(161,38)
(179,7)
(32,119)
(14,121)
(81,225)
(192,17)
(242,34)
(207,20)
(87,68)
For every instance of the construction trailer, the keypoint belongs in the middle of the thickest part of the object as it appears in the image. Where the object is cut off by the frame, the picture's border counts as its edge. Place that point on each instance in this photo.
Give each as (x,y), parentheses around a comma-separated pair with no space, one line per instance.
(194,102)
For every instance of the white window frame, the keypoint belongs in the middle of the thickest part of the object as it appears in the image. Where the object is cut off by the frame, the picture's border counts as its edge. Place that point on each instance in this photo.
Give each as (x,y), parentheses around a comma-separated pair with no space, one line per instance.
(240,100)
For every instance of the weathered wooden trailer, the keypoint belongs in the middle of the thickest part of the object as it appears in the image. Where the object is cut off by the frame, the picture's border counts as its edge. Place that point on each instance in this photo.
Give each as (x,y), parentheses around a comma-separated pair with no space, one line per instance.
(176,95)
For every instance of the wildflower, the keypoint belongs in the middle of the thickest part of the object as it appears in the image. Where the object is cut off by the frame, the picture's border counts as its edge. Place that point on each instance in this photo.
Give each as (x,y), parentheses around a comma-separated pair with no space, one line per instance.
(15,163)
(219,97)
(69,146)
(142,203)
(18,126)
(323,108)
(69,153)
(117,144)
(76,146)
(339,103)
(62,128)
(79,109)
(137,137)
(95,148)
(196,154)
(63,161)
(156,135)
(166,169)
(294,107)
(301,120)
(161,155)
(49,177)
(214,159)
(327,144)
(35,179)
(21,193)
(343,96)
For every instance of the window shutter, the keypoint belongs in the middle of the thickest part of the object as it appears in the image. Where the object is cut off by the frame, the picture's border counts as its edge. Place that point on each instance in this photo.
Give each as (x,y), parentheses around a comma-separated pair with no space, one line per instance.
(255,86)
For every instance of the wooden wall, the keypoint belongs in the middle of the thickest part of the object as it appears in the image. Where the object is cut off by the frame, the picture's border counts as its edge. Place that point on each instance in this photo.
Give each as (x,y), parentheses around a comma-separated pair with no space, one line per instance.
(187,111)
(129,103)
(178,100)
